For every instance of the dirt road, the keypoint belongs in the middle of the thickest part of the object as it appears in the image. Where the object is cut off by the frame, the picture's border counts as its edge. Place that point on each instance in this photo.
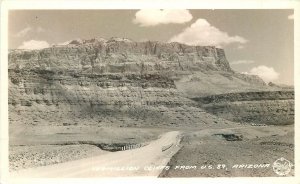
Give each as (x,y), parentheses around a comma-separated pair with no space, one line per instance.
(145,161)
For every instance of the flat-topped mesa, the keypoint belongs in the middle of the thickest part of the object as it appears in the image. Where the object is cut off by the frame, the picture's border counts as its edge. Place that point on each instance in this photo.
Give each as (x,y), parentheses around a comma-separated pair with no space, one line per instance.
(121,54)
(119,81)
(193,70)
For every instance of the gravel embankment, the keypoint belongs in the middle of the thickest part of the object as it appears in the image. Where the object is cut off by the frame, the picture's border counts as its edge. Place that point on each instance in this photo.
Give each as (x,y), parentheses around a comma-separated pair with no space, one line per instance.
(22,157)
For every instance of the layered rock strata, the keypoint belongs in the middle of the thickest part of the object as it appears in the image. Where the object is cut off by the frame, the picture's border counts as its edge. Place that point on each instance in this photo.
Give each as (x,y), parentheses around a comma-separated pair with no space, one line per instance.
(119,82)
(273,107)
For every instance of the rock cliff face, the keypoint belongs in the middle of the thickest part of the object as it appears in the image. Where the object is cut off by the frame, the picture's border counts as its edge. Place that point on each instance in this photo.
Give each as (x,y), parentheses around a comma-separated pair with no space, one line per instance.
(273,107)
(119,82)
(189,65)
(115,56)
(106,100)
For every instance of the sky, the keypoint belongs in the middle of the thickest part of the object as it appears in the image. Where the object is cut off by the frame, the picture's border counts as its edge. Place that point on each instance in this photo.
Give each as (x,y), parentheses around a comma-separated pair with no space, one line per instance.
(259,42)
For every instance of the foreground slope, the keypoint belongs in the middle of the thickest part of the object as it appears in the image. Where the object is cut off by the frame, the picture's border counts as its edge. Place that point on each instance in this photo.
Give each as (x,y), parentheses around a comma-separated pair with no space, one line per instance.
(144,161)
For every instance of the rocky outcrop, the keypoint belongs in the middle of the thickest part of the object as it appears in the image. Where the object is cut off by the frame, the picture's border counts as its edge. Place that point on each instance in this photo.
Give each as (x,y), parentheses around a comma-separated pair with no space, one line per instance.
(273,107)
(119,82)
(48,98)
(247,96)
(114,56)
(189,66)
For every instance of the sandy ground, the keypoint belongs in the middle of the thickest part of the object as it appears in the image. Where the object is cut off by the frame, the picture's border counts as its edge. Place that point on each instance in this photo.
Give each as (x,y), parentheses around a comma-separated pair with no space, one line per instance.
(205,154)
(60,135)
(147,159)
(34,146)
(200,147)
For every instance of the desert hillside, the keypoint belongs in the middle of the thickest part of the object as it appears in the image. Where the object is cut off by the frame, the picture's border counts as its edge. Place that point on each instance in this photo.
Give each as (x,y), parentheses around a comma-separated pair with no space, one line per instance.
(119,81)
(107,94)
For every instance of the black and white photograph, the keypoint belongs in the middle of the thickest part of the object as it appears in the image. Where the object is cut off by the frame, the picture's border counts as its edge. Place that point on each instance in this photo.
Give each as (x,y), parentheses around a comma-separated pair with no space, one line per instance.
(163,93)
